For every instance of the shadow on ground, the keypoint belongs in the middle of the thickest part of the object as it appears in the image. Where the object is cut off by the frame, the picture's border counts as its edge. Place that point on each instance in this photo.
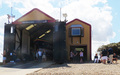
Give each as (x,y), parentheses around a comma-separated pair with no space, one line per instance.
(36,64)
(28,64)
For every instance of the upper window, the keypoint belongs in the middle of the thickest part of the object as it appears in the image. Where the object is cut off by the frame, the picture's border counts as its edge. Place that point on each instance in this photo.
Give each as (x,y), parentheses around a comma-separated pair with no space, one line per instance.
(11,30)
(75,32)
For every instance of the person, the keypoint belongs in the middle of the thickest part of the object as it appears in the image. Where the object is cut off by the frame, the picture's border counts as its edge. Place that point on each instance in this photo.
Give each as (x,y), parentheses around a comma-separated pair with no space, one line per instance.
(40,55)
(75,56)
(4,57)
(100,57)
(96,59)
(34,55)
(7,55)
(71,56)
(44,55)
(114,58)
(37,54)
(14,56)
(81,56)
(11,56)
(110,53)
(104,56)
(108,61)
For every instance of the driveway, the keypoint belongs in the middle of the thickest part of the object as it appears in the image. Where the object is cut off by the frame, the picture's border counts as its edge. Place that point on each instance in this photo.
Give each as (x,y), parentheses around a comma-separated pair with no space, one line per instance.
(23,68)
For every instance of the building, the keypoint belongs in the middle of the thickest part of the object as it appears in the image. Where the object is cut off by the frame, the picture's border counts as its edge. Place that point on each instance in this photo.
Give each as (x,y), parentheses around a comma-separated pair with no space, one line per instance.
(25,34)
(78,37)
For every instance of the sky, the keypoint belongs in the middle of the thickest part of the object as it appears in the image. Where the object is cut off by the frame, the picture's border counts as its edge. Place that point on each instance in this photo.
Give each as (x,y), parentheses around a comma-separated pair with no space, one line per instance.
(103,15)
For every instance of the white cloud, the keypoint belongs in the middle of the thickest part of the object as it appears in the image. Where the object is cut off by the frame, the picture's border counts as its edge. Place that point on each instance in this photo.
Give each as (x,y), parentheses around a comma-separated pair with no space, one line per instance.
(1,47)
(30,4)
(96,44)
(99,17)
(3,19)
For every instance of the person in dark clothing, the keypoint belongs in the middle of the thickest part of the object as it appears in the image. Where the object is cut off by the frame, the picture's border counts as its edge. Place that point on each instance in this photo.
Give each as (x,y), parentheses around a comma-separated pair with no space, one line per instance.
(7,55)
(114,58)
(110,52)
(104,56)
(11,56)
(14,55)
(96,58)
(108,61)
(75,56)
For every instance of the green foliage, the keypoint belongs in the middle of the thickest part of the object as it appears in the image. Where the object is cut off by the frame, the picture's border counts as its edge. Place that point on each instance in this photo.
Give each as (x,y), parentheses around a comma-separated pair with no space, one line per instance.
(114,46)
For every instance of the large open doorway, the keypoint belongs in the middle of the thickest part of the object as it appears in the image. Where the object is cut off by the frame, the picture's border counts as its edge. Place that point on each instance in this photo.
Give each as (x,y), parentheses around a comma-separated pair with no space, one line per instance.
(26,38)
(36,36)
(78,49)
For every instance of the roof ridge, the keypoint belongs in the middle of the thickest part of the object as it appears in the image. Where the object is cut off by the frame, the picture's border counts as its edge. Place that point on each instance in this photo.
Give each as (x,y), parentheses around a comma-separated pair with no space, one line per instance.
(77,20)
(16,21)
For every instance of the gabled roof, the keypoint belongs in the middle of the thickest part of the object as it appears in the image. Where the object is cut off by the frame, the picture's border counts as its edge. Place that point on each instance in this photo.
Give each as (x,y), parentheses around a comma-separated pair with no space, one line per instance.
(34,14)
(89,30)
(79,21)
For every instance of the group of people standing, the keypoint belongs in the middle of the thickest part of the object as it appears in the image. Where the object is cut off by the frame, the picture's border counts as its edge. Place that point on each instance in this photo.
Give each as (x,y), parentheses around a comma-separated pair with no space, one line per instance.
(40,55)
(8,55)
(74,56)
(107,56)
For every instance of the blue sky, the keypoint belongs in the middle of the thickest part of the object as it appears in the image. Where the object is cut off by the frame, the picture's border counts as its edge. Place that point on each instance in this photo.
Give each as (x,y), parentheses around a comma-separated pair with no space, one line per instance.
(103,15)
(116,18)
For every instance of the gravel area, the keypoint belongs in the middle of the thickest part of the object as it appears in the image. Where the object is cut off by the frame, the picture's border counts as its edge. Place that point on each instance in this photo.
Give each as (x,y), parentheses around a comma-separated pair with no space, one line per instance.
(80,69)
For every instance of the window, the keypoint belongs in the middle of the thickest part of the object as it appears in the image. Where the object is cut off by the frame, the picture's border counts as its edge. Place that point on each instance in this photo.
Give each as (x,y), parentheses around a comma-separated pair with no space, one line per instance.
(75,32)
(56,27)
(11,30)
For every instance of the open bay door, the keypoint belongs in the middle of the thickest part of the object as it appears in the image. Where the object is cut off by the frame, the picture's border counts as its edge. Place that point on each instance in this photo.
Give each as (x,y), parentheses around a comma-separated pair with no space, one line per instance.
(59,42)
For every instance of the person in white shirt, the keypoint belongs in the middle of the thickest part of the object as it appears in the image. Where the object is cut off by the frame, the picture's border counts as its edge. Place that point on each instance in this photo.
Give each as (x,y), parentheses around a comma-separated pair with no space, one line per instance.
(40,55)
(71,56)
(81,56)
